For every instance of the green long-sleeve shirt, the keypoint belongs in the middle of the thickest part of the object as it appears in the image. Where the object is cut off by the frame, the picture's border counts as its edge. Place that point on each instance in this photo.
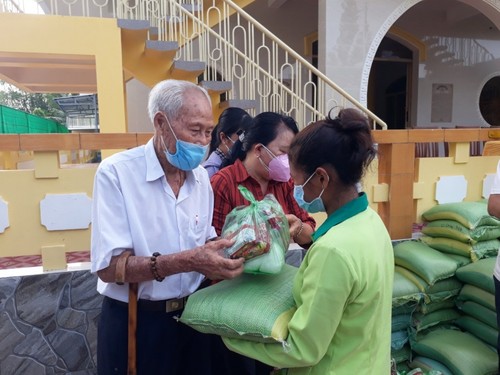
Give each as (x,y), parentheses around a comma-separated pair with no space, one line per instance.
(343,292)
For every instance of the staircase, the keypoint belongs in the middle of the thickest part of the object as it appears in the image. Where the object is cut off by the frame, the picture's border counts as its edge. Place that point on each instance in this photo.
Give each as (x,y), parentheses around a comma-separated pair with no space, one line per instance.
(216,44)
(457,51)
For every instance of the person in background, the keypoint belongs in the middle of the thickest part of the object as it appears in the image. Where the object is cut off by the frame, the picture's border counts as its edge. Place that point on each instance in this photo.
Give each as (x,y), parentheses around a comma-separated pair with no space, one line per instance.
(232,122)
(343,288)
(156,201)
(494,210)
(259,162)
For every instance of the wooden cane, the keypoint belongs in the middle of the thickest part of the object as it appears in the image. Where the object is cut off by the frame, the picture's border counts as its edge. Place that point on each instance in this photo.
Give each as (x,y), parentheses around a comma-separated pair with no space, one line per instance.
(132,328)
(120,275)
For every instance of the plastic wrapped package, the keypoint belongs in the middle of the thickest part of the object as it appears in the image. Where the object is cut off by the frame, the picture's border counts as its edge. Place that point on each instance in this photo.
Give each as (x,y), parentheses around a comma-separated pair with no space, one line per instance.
(261,234)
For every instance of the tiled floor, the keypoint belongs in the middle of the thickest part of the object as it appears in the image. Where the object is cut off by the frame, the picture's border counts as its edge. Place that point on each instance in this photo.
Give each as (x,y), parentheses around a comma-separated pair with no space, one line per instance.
(36,260)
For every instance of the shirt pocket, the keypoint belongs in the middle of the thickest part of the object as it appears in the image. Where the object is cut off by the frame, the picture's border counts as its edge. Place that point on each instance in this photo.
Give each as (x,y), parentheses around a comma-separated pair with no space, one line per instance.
(198,225)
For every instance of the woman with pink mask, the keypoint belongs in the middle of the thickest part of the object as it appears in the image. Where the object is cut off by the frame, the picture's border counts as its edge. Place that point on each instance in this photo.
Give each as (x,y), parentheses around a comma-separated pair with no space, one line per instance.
(259,162)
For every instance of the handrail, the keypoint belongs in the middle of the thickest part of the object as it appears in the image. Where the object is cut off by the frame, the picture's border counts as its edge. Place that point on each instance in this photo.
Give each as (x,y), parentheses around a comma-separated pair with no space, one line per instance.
(307,64)
(267,86)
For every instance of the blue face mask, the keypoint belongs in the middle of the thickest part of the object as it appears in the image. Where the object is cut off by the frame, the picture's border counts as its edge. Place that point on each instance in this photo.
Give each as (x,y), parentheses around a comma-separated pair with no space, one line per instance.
(316,205)
(187,155)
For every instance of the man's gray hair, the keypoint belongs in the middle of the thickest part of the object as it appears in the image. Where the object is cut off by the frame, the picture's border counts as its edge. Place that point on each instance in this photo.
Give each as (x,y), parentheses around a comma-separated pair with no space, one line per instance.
(168,97)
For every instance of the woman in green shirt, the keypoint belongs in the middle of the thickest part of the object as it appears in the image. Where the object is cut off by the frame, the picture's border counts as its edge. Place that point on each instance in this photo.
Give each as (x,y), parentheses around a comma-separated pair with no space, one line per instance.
(343,289)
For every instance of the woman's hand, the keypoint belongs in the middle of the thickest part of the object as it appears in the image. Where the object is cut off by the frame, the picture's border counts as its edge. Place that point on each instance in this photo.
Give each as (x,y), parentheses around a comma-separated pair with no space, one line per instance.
(295,225)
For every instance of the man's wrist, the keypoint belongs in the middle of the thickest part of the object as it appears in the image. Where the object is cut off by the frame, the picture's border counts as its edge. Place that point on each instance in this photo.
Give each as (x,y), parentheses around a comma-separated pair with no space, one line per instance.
(153,266)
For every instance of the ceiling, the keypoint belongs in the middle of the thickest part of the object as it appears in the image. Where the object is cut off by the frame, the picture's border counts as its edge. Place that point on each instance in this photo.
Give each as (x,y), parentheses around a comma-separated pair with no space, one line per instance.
(49,73)
(449,18)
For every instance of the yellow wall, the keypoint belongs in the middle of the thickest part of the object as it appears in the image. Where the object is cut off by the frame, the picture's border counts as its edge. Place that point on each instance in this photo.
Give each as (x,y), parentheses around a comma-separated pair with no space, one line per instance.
(428,171)
(23,192)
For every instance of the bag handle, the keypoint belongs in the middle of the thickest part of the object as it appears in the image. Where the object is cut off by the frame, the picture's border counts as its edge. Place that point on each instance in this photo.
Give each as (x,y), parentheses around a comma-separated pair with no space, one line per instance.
(247,194)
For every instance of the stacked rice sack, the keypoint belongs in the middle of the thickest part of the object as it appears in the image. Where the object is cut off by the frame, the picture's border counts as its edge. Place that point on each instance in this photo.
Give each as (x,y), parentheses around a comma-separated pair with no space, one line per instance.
(438,339)
(431,275)
(462,229)
(405,298)
(454,327)
(476,301)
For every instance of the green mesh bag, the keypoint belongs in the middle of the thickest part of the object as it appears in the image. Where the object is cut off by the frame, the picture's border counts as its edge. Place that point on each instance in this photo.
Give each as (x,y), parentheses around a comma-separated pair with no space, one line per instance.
(441,290)
(478,295)
(399,339)
(404,291)
(460,260)
(252,307)
(400,322)
(469,214)
(261,233)
(480,312)
(479,329)
(426,262)
(424,321)
(460,352)
(428,364)
(401,355)
(456,231)
(475,251)
(479,274)
(427,308)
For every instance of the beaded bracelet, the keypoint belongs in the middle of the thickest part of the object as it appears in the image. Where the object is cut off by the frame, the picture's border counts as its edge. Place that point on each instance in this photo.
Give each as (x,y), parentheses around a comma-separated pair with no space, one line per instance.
(299,232)
(152,265)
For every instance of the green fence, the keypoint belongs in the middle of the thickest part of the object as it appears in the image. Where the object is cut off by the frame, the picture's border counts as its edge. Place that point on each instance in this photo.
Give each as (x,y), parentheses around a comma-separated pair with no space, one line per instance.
(13,121)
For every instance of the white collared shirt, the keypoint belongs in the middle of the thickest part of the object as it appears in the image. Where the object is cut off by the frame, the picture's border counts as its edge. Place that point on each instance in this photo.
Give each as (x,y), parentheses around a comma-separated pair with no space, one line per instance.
(135,208)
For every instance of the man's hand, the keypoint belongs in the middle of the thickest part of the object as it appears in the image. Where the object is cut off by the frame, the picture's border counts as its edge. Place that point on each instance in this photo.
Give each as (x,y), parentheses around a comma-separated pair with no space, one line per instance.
(209,261)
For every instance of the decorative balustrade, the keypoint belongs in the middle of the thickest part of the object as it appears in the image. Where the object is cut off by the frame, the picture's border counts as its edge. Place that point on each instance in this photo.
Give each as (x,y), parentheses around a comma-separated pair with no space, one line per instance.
(234,46)
(459,51)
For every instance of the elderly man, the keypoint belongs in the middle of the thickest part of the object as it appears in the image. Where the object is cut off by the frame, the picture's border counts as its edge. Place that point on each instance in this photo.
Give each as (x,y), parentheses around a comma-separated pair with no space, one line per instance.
(156,202)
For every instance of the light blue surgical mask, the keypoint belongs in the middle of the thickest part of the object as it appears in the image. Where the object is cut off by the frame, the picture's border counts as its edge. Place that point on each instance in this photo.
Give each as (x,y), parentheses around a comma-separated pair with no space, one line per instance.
(187,155)
(316,205)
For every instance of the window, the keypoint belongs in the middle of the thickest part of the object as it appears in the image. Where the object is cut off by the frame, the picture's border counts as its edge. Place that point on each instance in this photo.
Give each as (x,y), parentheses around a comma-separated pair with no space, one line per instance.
(489,101)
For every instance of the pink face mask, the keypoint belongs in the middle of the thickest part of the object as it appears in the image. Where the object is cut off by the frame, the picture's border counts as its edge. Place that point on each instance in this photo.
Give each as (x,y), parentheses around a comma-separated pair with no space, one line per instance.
(279,169)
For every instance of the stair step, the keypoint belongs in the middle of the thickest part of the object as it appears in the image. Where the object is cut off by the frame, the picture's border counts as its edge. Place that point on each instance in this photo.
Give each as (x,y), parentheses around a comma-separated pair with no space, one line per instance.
(243,104)
(444,55)
(437,47)
(217,87)
(161,45)
(161,49)
(134,31)
(189,66)
(153,33)
(192,8)
(133,24)
(453,61)
(187,70)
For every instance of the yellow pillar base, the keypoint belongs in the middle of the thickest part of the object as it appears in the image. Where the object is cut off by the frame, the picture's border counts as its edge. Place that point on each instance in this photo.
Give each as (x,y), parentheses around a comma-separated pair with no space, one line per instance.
(54,258)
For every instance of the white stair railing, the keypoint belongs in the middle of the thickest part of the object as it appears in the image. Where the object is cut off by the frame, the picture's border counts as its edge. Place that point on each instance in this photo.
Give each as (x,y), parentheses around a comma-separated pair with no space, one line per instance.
(235,47)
